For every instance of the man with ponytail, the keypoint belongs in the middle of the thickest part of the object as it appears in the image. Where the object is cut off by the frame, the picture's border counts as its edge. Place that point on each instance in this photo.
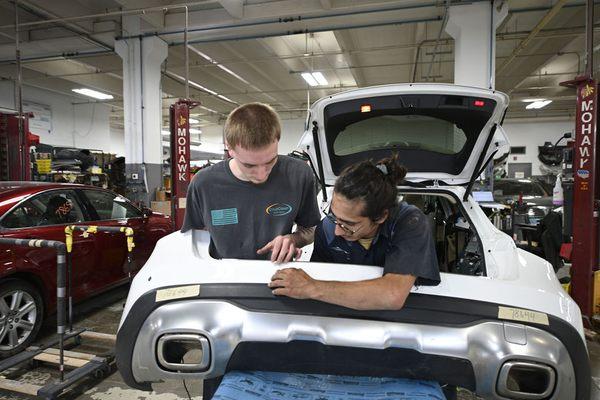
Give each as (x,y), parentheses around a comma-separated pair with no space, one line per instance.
(366,225)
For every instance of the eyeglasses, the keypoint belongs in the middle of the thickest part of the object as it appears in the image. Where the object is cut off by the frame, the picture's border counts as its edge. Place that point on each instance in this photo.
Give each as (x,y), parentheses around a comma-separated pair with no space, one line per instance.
(331,216)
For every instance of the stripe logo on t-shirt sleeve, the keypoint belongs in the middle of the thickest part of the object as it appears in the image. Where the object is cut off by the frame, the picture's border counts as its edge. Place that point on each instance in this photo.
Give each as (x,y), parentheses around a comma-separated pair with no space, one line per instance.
(226,216)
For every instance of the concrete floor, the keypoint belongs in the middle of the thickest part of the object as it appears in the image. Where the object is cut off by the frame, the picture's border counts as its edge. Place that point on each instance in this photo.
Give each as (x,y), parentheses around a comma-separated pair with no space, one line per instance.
(103,314)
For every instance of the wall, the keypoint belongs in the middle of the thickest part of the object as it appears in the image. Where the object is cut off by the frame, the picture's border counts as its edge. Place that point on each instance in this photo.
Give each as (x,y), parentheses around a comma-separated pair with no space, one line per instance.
(117,141)
(77,125)
(533,133)
(291,131)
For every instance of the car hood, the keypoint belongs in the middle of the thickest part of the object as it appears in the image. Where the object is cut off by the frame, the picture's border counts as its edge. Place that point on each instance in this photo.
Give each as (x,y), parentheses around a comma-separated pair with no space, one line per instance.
(440,132)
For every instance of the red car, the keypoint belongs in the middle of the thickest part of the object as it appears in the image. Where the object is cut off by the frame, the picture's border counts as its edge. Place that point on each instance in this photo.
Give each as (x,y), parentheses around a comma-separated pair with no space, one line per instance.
(28,275)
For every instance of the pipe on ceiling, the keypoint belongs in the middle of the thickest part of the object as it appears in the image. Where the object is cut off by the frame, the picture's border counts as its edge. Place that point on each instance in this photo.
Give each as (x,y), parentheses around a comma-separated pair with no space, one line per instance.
(280,20)
(540,25)
(147,10)
(435,49)
(81,32)
(121,13)
(550,33)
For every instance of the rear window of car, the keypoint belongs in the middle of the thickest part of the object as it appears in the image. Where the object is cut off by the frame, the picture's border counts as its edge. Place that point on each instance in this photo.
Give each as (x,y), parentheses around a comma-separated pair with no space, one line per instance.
(515,188)
(430,132)
(400,131)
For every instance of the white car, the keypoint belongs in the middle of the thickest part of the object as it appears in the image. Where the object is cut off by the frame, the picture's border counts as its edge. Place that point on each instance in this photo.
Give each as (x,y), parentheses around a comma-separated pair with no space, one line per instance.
(498,324)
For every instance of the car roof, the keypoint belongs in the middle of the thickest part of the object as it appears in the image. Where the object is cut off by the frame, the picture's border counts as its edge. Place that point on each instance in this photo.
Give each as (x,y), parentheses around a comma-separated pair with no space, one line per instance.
(523,180)
(10,188)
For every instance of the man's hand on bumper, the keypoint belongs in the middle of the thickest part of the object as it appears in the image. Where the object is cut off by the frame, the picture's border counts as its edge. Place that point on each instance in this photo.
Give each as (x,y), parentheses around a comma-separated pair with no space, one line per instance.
(293,282)
(283,249)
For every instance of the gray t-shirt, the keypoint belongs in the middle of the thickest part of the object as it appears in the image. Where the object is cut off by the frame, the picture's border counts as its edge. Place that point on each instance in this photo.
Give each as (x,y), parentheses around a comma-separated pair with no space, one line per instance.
(242,217)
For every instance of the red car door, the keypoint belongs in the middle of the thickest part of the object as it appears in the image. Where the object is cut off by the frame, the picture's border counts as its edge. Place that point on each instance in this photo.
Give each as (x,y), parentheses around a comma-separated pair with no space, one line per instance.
(110,209)
(45,216)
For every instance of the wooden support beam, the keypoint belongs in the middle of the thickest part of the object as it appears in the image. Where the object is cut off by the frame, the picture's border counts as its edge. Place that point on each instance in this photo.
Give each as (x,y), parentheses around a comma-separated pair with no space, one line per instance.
(55,359)
(72,354)
(19,387)
(98,336)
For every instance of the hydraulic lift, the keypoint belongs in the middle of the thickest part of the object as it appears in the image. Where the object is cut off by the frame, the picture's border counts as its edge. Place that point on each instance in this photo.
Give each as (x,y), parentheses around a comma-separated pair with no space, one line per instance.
(80,365)
(586,184)
(15,161)
(179,114)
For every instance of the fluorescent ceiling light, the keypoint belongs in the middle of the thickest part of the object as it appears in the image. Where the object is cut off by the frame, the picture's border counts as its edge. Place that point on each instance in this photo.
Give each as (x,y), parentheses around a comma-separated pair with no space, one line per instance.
(230,72)
(213,61)
(320,78)
(165,132)
(93,93)
(194,121)
(309,79)
(226,98)
(315,78)
(536,105)
(209,109)
(192,83)
(201,54)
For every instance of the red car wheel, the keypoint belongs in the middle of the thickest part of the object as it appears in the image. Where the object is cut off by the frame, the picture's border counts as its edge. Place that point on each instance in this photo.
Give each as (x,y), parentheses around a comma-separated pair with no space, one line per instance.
(21,314)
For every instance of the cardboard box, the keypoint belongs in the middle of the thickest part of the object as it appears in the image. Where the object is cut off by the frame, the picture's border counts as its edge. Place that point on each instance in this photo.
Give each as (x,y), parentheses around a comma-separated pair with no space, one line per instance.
(163,207)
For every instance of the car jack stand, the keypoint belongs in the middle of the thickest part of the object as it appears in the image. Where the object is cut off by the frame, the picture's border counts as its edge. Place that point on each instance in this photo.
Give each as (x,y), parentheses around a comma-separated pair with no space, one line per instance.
(83,364)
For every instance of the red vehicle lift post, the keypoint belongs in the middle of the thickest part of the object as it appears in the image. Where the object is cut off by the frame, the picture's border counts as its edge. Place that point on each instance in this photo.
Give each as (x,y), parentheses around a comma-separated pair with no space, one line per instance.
(15,159)
(179,114)
(586,187)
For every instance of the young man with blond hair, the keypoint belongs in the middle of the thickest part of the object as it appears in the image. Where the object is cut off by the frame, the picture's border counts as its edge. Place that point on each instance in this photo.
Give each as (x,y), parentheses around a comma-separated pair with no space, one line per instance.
(249,203)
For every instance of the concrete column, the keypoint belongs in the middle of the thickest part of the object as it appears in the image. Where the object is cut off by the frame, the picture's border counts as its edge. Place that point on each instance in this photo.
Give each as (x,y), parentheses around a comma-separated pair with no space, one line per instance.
(473,27)
(142,59)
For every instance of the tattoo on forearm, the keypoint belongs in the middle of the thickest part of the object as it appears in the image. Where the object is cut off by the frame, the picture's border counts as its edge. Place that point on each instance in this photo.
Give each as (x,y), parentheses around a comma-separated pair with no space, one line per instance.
(303,235)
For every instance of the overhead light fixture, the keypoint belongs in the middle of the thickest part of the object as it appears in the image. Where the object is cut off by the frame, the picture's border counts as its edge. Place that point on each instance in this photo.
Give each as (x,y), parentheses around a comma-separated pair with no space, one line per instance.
(314,78)
(320,78)
(165,132)
(230,72)
(192,83)
(193,130)
(536,105)
(213,61)
(226,99)
(209,109)
(309,79)
(93,93)
(194,121)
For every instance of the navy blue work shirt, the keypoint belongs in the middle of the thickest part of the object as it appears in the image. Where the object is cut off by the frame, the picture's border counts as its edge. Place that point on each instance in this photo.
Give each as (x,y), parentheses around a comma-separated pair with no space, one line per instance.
(404,244)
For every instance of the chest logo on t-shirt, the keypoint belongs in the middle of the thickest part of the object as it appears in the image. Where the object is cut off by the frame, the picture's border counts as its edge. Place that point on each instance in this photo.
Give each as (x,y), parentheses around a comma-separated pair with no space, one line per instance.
(226,216)
(278,209)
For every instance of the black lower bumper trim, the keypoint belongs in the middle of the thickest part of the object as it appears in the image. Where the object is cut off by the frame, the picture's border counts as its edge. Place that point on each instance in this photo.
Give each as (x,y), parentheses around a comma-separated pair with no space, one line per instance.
(316,358)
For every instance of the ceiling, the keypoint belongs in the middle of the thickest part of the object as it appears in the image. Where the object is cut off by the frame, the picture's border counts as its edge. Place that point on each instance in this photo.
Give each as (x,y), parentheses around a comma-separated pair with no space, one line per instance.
(255,50)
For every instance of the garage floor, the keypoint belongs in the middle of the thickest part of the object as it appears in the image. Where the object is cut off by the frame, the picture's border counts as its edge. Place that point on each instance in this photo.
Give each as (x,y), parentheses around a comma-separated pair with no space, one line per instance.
(102,315)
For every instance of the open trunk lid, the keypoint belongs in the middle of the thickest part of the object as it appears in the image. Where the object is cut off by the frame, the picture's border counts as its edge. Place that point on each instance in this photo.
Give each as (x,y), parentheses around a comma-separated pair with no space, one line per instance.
(440,132)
